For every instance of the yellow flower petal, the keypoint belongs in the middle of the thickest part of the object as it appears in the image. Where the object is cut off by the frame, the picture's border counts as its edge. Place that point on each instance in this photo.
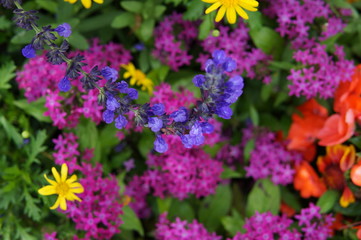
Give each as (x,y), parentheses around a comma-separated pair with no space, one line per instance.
(47,190)
(52,182)
(99,1)
(72,197)
(86,3)
(210,1)
(248,7)
(241,12)
(231,15)
(252,3)
(72,179)
(64,172)
(76,188)
(62,203)
(55,174)
(220,13)
(56,204)
(213,7)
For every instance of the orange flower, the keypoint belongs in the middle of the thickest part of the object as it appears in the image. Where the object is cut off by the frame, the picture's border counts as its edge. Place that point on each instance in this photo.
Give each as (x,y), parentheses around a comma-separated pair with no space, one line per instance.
(307,181)
(305,128)
(338,159)
(337,129)
(355,174)
(287,210)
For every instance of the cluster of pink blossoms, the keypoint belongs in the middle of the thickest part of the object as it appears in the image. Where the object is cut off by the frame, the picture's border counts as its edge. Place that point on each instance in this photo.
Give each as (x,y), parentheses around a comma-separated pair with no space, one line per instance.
(173,37)
(40,78)
(250,60)
(270,158)
(182,230)
(98,213)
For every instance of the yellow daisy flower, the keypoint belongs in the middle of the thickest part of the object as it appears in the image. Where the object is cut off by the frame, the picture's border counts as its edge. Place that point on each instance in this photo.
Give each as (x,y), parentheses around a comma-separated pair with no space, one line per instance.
(86,3)
(230,8)
(62,186)
(137,77)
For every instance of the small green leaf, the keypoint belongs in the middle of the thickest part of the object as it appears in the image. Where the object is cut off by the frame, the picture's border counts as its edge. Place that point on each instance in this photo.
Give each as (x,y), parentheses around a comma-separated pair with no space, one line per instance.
(35,147)
(97,22)
(268,40)
(181,209)
(4,23)
(264,196)
(11,132)
(233,224)
(35,109)
(328,200)
(6,74)
(248,149)
(123,20)
(131,221)
(205,27)
(164,204)
(78,41)
(132,6)
(195,9)
(48,5)
(146,29)
(254,115)
(229,173)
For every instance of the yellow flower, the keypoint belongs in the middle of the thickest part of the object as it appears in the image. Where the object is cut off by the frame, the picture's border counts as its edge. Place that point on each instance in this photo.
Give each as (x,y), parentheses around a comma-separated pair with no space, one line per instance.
(230,7)
(62,186)
(137,77)
(86,3)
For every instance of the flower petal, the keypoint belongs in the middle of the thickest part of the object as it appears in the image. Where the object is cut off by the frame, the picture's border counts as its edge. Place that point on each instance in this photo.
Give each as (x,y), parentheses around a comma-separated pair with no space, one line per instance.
(52,182)
(220,13)
(241,12)
(62,203)
(55,174)
(252,3)
(76,188)
(213,7)
(72,197)
(56,204)
(47,190)
(72,179)
(231,15)
(64,172)
(248,7)
(86,3)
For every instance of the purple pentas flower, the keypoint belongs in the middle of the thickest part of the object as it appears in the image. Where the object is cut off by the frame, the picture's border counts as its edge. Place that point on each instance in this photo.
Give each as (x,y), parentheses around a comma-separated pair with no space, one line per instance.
(160,145)
(120,122)
(155,124)
(158,109)
(63,30)
(180,116)
(28,51)
(109,74)
(64,84)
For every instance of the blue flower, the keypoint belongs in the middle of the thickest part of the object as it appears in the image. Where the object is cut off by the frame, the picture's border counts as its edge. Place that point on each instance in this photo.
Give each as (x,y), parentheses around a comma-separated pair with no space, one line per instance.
(187,141)
(229,65)
(224,111)
(180,116)
(160,145)
(155,124)
(122,87)
(158,109)
(196,133)
(207,127)
(199,80)
(28,51)
(64,85)
(64,30)
(108,116)
(120,122)
(110,74)
(219,56)
(112,102)
(132,93)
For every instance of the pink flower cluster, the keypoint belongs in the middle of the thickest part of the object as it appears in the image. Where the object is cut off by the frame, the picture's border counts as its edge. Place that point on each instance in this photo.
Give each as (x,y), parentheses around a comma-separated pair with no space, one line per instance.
(40,78)
(182,230)
(250,61)
(173,37)
(321,73)
(178,172)
(231,155)
(98,213)
(270,158)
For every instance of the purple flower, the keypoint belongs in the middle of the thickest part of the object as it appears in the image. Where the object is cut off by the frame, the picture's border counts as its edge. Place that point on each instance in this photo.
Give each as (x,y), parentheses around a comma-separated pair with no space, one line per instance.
(64,85)
(132,93)
(108,116)
(187,141)
(112,102)
(199,80)
(229,65)
(122,87)
(64,30)
(158,109)
(110,74)
(219,56)
(207,127)
(120,122)
(129,165)
(224,111)
(160,145)
(155,124)
(180,116)
(28,51)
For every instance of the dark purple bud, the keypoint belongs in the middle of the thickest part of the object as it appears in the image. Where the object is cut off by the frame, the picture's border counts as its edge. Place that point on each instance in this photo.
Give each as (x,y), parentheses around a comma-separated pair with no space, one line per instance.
(110,74)
(122,87)
(108,116)
(64,30)
(160,145)
(199,80)
(207,127)
(64,85)
(28,51)
(158,109)
(155,124)
(112,103)
(180,116)
(120,122)
(132,93)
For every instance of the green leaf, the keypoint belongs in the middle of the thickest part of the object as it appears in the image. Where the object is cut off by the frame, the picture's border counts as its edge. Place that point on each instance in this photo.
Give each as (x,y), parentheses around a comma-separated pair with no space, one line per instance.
(290,199)
(281,65)
(356,141)
(47,5)
(195,9)
(123,20)
(78,41)
(205,27)
(6,74)
(131,221)
(22,37)
(145,144)
(11,132)
(159,10)
(97,22)
(35,147)
(164,204)
(146,29)
(4,23)
(233,224)
(353,210)
(268,40)
(214,207)
(229,173)
(248,149)
(254,115)
(35,109)
(181,209)
(132,6)
(328,200)
(264,196)
(88,137)
(30,206)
